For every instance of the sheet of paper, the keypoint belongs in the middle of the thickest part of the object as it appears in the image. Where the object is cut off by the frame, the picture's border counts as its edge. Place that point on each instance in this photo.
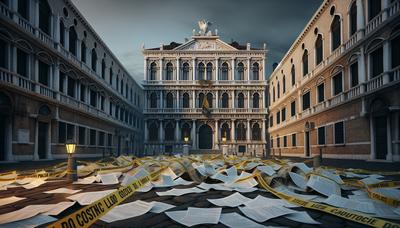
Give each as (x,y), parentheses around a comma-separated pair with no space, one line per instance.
(331,176)
(219,187)
(371,180)
(25,213)
(32,222)
(109,178)
(286,191)
(59,207)
(180,181)
(86,198)
(383,210)
(128,210)
(169,172)
(26,180)
(261,201)
(338,201)
(35,183)
(86,180)
(63,191)
(269,170)
(197,216)
(301,216)
(137,174)
(245,190)
(179,216)
(179,192)
(159,207)
(389,192)
(163,181)
(262,214)
(323,185)
(298,180)
(352,175)
(247,183)
(275,166)
(251,165)
(11,199)
(303,167)
(235,220)
(234,200)
(146,188)
(397,211)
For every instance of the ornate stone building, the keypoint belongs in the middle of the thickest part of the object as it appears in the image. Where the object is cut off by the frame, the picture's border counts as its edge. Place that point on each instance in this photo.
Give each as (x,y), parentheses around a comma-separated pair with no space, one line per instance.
(337,88)
(59,82)
(204,89)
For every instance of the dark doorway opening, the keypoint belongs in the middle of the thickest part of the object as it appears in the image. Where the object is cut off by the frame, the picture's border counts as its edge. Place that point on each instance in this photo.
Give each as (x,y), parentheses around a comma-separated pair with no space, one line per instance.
(3,128)
(380,137)
(42,139)
(307,143)
(205,137)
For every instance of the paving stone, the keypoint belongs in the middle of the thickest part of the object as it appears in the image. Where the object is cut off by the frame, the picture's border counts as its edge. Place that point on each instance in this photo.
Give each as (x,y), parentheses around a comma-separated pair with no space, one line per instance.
(203,204)
(182,199)
(285,222)
(331,219)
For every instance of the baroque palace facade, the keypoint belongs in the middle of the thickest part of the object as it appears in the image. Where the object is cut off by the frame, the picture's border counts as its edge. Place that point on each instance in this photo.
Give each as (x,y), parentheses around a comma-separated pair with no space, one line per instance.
(205,90)
(336,90)
(60,82)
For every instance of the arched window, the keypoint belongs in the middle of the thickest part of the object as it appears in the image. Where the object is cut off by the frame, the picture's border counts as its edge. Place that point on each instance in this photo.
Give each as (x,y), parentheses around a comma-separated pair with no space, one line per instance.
(153,132)
(153,100)
(185,131)
(240,132)
(224,71)
(225,101)
(353,18)
(94,60)
(201,98)
(240,70)
(335,33)
(170,70)
(256,100)
(283,84)
(225,131)
(278,90)
(318,50)
(185,71)
(169,132)
(256,132)
(374,8)
(210,100)
(103,69)
(256,70)
(293,74)
(185,100)
(273,94)
(170,100)
(201,70)
(73,38)
(305,63)
(83,52)
(240,100)
(209,71)
(62,33)
(153,71)
(44,16)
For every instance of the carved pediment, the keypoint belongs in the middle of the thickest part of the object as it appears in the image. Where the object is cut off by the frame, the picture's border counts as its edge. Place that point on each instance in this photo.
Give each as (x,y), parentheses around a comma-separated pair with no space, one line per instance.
(205,45)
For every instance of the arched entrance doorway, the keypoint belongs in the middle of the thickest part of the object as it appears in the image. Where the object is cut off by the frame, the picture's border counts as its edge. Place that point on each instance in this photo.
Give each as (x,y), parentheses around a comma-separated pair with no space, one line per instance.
(380,115)
(5,126)
(205,137)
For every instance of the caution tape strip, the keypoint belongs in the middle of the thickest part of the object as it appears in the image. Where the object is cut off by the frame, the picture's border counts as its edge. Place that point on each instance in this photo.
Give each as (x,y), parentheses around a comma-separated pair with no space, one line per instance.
(340,212)
(91,213)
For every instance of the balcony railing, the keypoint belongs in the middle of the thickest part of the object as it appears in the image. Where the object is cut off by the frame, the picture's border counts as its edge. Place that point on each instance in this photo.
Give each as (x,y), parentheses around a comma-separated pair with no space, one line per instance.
(214,82)
(199,110)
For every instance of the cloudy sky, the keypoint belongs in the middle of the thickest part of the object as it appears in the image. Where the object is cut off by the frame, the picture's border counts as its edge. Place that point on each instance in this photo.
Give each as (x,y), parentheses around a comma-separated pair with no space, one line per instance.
(125,25)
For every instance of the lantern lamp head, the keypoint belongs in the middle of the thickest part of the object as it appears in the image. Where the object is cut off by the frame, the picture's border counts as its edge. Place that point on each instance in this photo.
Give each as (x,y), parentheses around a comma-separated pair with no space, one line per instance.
(70,145)
(186,139)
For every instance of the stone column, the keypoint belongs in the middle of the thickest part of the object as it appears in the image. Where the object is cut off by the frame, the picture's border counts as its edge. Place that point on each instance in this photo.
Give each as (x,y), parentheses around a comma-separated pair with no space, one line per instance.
(360,15)
(248,135)
(386,61)
(193,99)
(35,151)
(146,71)
(56,80)
(66,39)
(177,135)
(248,100)
(194,69)
(216,100)
(232,69)
(177,105)
(233,131)
(161,132)
(78,49)
(216,135)
(161,100)
(389,155)
(263,131)
(178,69)
(36,75)
(193,134)
(216,69)
(385,4)
(161,69)
(396,149)
(248,69)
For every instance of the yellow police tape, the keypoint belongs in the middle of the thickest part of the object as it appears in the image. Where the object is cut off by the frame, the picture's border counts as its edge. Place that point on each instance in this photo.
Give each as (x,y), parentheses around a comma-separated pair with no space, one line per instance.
(91,213)
(349,215)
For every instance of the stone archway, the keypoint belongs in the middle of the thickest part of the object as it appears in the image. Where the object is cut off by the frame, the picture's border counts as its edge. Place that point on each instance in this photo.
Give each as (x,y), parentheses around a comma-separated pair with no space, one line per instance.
(205,137)
(5,127)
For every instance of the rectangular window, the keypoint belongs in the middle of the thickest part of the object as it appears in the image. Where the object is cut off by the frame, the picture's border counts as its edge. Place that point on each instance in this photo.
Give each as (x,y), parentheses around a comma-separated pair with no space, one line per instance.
(93,98)
(278,142)
(278,118)
(22,63)
(61,82)
(71,87)
(395,51)
(293,108)
(285,141)
(272,143)
(283,112)
(337,84)
(321,92)
(111,76)
(102,103)
(62,130)
(109,140)
(376,62)
(306,101)
(101,138)
(294,142)
(83,93)
(271,121)
(321,136)
(82,136)
(44,71)
(110,111)
(339,133)
(354,74)
(3,54)
(92,137)
(374,8)
(23,8)
(70,132)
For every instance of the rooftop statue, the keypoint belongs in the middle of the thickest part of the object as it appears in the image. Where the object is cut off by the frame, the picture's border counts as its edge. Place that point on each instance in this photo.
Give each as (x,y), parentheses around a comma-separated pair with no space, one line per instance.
(203,25)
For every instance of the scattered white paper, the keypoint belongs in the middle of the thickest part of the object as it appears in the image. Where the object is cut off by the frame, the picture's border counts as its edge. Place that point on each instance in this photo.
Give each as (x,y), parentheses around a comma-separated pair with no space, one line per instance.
(63,191)
(219,187)
(323,185)
(196,216)
(35,183)
(245,190)
(303,167)
(286,191)
(338,201)
(301,216)
(251,165)
(109,178)
(32,222)
(269,170)
(261,201)
(26,180)
(235,220)
(298,180)
(159,207)
(179,192)
(86,198)
(87,180)
(389,192)
(331,176)
(383,210)
(234,200)
(371,180)
(11,199)
(397,210)
(25,213)
(128,210)
(59,207)
(262,214)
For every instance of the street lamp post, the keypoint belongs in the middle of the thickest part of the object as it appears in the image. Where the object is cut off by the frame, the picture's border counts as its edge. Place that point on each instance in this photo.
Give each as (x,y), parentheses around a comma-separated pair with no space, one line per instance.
(224,145)
(186,145)
(71,169)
